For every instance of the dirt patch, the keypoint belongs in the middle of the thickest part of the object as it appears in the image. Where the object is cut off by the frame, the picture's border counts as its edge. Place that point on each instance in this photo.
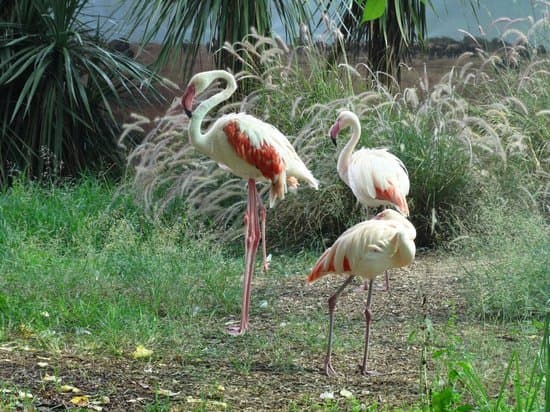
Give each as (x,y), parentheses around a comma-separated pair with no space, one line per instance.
(245,381)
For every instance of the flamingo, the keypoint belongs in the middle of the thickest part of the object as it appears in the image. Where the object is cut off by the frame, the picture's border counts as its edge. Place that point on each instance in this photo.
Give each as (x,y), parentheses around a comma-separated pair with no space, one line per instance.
(375,176)
(251,149)
(366,250)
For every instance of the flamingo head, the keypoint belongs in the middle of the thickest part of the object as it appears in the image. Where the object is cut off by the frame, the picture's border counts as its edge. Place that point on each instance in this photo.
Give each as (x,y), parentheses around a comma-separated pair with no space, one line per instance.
(198,83)
(344,120)
(187,99)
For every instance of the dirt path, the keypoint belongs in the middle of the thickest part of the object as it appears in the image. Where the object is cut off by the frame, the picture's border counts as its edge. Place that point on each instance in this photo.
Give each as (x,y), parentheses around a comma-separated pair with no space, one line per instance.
(259,383)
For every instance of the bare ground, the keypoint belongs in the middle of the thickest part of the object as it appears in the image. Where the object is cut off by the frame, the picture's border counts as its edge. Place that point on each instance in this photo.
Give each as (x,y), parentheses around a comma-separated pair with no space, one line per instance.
(427,288)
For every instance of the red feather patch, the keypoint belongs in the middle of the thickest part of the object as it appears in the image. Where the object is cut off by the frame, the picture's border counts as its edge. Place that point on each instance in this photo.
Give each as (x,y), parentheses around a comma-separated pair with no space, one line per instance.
(391,195)
(347,266)
(265,158)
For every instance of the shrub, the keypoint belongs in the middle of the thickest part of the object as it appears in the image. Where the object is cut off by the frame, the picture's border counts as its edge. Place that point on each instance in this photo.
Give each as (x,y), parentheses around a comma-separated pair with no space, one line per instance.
(60,86)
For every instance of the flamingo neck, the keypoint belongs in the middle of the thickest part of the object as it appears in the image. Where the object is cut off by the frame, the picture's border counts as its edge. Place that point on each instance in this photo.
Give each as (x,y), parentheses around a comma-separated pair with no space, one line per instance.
(345,155)
(198,139)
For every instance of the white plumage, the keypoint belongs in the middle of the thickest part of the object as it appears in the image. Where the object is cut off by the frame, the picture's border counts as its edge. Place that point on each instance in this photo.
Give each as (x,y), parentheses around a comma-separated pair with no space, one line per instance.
(375,176)
(365,250)
(251,149)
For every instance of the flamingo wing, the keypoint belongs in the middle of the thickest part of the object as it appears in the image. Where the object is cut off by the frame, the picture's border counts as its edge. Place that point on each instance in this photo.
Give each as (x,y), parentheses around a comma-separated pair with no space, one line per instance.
(376,174)
(262,147)
(365,250)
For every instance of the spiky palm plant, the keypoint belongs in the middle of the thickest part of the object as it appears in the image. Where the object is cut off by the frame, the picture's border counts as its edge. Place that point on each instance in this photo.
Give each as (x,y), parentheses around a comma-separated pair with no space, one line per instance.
(192,23)
(59,86)
(386,36)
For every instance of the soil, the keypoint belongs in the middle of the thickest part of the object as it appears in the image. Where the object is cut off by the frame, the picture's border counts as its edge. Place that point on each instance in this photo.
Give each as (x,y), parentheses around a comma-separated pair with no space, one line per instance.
(427,288)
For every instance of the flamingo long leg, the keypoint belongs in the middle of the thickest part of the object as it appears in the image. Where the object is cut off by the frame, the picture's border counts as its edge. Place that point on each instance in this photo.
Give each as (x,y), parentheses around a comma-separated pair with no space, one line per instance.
(386,288)
(368,320)
(263,217)
(252,239)
(329,370)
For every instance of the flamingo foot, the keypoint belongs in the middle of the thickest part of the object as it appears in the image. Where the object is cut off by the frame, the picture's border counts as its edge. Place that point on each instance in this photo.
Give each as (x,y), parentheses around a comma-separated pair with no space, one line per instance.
(237,330)
(366,372)
(329,370)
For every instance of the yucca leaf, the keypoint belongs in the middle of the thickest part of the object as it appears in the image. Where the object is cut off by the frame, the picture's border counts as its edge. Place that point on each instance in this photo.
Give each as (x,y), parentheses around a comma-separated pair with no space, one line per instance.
(374,9)
(58,83)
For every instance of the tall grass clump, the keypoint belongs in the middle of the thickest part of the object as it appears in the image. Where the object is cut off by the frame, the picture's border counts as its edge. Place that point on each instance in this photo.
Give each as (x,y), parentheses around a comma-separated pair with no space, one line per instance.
(459,384)
(507,270)
(449,138)
(81,264)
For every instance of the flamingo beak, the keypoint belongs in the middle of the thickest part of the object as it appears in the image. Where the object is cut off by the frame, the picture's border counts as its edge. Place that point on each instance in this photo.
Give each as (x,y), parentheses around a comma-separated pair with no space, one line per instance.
(334,130)
(187,100)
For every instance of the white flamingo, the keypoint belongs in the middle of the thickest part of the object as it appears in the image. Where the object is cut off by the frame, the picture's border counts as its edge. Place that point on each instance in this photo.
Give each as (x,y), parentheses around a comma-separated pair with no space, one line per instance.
(251,149)
(365,250)
(375,176)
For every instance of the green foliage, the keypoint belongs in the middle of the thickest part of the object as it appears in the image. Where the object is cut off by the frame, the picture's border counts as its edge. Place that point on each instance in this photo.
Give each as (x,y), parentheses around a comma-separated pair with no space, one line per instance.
(463,387)
(81,260)
(385,31)
(374,9)
(187,22)
(60,90)
(507,277)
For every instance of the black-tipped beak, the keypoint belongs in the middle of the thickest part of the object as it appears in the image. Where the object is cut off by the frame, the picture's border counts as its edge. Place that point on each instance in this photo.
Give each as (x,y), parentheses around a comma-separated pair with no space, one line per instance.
(188,113)
(333,132)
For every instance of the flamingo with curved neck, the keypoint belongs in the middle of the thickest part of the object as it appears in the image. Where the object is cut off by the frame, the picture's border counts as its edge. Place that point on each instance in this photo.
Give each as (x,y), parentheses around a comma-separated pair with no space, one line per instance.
(251,149)
(375,176)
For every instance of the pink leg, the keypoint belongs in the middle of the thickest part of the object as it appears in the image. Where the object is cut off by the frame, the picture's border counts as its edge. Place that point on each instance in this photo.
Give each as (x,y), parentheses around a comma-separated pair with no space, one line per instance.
(252,239)
(329,370)
(368,320)
(386,288)
(263,214)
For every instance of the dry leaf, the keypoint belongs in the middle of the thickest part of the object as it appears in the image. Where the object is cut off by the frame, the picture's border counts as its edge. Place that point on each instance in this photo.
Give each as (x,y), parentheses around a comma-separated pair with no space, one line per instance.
(141,352)
(82,400)
(136,400)
(51,378)
(104,400)
(24,395)
(42,364)
(26,331)
(166,392)
(217,403)
(346,394)
(69,388)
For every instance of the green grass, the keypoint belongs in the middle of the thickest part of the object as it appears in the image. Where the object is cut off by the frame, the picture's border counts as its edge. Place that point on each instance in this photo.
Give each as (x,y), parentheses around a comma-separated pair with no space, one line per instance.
(507,272)
(80,262)
(84,272)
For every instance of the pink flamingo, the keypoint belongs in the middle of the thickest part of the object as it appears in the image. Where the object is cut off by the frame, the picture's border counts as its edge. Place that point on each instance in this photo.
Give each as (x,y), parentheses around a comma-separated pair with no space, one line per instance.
(251,149)
(375,176)
(366,250)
